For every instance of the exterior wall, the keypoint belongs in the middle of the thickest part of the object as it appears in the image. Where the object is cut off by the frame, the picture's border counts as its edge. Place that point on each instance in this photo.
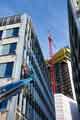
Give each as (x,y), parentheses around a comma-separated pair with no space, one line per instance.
(63,74)
(71,79)
(66,108)
(40,88)
(35,101)
(5,58)
(63,78)
(9,58)
(74,30)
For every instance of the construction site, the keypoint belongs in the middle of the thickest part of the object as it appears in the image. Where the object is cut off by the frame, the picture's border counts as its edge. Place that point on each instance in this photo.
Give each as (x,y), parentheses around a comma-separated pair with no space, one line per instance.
(32,87)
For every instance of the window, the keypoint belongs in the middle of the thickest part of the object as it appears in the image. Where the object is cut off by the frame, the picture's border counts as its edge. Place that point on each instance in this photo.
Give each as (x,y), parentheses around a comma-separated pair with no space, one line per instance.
(3,105)
(6,70)
(1,34)
(12,48)
(15,32)
(11,33)
(8,49)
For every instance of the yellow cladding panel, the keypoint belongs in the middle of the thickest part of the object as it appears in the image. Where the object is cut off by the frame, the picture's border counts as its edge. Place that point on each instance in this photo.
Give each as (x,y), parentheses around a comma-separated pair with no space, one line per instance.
(58,59)
(9,58)
(58,54)
(61,55)
(68,50)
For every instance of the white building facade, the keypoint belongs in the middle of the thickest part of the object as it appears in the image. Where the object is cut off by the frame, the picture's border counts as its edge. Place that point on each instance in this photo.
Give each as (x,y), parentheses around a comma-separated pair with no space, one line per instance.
(66,108)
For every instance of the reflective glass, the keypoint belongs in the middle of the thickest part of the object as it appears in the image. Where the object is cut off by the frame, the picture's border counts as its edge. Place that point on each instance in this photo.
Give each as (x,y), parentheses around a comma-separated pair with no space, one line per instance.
(8,49)
(1,34)
(6,69)
(10,33)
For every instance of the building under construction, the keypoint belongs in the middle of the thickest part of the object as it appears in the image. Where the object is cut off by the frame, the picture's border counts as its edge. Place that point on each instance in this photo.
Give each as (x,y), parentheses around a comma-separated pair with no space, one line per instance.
(21,59)
(63,72)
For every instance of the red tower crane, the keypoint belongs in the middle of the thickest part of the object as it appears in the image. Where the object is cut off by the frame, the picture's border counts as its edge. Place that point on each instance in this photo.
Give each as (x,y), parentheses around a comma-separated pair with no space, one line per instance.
(52,71)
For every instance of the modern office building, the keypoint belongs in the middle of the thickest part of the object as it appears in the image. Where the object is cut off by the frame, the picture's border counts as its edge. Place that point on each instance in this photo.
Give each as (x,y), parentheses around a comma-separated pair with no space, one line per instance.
(65,108)
(20,56)
(63,72)
(74,31)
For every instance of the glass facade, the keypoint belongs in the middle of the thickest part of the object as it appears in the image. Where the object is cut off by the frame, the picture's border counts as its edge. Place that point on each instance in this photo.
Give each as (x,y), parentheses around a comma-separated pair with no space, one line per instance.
(74,32)
(6,70)
(39,99)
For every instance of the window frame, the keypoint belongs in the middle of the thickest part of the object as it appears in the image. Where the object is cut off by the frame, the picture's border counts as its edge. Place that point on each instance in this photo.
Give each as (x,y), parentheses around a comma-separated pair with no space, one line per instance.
(13,34)
(7,68)
(9,52)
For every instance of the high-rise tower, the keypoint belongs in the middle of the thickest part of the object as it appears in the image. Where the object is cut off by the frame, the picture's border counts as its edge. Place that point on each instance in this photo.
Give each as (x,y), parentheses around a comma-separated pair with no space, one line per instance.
(74,32)
(63,72)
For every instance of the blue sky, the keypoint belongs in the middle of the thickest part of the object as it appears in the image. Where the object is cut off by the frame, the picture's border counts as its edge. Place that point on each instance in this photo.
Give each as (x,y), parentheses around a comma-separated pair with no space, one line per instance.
(47,15)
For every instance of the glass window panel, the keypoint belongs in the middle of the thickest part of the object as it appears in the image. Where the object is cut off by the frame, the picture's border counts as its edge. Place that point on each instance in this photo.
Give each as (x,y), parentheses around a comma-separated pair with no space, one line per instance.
(11,33)
(1,34)
(7,33)
(5,49)
(6,69)
(4,34)
(2,70)
(9,68)
(12,48)
(15,32)
(8,49)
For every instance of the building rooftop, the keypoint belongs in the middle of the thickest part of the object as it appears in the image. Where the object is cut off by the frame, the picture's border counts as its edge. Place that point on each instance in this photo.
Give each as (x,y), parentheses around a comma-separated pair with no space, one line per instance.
(10,20)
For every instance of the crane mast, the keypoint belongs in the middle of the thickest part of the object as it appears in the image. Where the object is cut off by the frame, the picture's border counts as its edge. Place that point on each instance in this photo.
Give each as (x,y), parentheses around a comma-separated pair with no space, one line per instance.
(52,71)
